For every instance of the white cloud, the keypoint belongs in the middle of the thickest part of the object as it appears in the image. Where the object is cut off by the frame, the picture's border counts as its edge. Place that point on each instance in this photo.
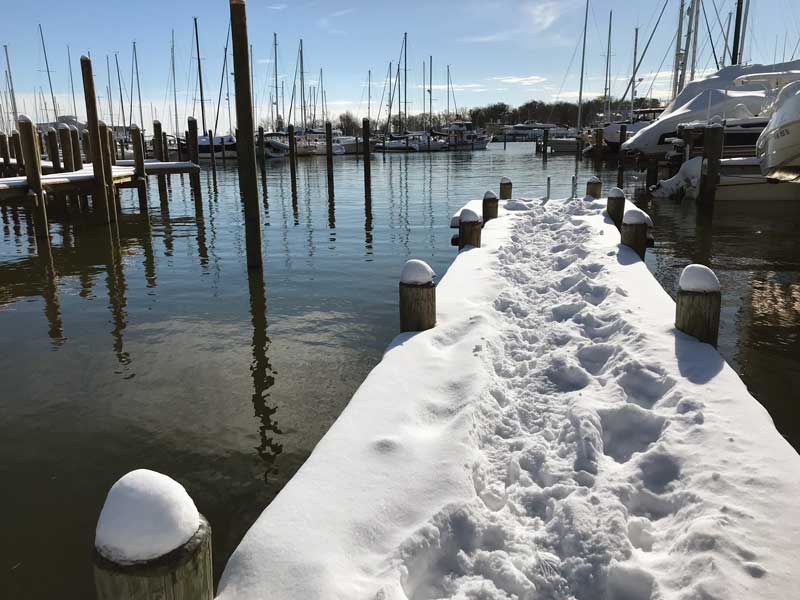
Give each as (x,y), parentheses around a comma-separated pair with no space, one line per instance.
(278,6)
(327,23)
(499,36)
(517,80)
(542,14)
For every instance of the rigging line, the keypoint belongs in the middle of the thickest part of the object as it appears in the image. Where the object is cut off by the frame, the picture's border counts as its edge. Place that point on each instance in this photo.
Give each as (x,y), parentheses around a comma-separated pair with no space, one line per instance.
(658,71)
(726,50)
(710,36)
(380,104)
(564,80)
(294,86)
(644,52)
(222,77)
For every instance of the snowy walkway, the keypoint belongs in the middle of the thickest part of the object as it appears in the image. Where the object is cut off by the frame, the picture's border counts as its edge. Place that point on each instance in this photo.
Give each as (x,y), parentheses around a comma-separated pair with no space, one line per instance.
(552,437)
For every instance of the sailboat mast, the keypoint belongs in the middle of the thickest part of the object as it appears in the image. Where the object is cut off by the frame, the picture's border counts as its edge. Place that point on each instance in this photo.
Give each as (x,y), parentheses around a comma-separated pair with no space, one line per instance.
(302,88)
(108,92)
(696,35)
(737,32)
(448,93)
(200,77)
(138,86)
(49,79)
(607,82)
(633,77)
(71,83)
(686,47)
(583,64)
(430,91)
(424,90)
(676,67)
(405,79)
(369,94)
(275,73)
(119,85)
(174,88)
(744,30)
(11,85)
(389,99)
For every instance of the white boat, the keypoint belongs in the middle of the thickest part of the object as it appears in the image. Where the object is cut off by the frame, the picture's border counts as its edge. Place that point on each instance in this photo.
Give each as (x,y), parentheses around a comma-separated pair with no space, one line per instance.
(462,135)
(642,118)
(778,146)
(422,141)
(275,147)
(204,148)
(563,144)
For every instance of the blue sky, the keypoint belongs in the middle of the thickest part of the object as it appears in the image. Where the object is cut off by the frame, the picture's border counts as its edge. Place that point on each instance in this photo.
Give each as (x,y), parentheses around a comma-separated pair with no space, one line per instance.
(499,50)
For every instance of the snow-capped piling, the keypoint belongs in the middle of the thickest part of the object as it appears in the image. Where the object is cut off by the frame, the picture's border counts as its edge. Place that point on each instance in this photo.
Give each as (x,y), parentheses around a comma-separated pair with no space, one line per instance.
(151,542)
(490,205)
(417,296)
(698,304)
(713,141)
(505,188)
(615,205)
(469,229)
(634,230)
(594,187)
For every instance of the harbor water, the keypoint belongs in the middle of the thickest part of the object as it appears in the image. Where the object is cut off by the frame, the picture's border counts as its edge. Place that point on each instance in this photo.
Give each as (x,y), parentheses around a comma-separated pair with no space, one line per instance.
(154,347)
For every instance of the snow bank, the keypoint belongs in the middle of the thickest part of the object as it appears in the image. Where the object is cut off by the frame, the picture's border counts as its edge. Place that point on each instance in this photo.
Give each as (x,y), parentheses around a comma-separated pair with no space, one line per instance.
(685,183)
(698,278)
(145,515)
(490,195)
(416,272)
(552,437)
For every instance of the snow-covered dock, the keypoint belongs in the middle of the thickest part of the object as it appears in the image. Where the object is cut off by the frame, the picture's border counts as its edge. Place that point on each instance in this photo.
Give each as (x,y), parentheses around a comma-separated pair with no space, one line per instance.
(554,436)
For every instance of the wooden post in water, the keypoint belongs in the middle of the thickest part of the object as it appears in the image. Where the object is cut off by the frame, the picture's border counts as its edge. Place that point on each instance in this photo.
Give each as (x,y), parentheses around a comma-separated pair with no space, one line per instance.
(112,147)
(490,206)
(594,187)
(77,160)
(158,149)
(545,143)
(100,198)
(469,229)
(547,193)
(292,159)
(139,170)
(623,135)
(5,154)
(652,173)
(16,146)
(329,156)
(248,182)
(65,141)
(505,188)
(417,297)
(164,147)
(262,152)
(367,169)
(52,150)
(212,146)
(183,572)
(86,144)
(33,172)
(634,231)
(713,142)
(194,156)
(106,151)
(615,206)
(698,304)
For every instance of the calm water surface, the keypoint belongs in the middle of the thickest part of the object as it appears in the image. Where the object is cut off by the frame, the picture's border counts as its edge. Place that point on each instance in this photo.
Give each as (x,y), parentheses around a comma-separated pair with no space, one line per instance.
(154,348)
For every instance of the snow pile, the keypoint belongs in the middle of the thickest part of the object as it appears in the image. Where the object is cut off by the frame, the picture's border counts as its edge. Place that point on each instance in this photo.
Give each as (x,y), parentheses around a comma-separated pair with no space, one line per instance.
(698,278)
(490,195)
(145,515)
(684,184)
(505,180)
(416,272)
(469,216)
(553,437)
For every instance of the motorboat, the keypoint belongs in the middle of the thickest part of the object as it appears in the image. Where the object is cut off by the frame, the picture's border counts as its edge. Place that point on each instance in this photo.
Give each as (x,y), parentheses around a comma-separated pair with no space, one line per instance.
(462,135)
(642,117)
(778,146)
(225,144)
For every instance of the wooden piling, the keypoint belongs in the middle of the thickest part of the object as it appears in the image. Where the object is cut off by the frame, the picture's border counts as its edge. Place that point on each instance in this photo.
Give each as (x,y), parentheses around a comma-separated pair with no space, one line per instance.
(52,150)
(139,170)
(262,152)
(505,188)
(164,146)
(615,206)
(329,155)
(248,182)
(713,142)
(212,146)
(101,198)
(623,135)
(652,173)
(16,146)
(86,144)
(5,154)
(469,229)
(194,150)
(417,297)
(365,133)
(33,173)
(698,303)
(292,159)
(158,149)
(65,141)
(490,206)
(633,232)
(594,187)
(545,143)
(75,139)
(106,151)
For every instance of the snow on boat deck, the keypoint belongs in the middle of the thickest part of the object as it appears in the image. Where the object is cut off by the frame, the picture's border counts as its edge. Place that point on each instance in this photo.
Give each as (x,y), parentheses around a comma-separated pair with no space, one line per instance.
(553,437)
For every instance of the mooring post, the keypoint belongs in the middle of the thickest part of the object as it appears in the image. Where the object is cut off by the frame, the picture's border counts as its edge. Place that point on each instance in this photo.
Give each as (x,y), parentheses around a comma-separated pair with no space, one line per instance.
(417,297)
(139,169)
(194,151)
(329,155)
(367,169)
(165,147)
(652,173)
(469,229)
(262,152)
(65,141)
(292,159)
(86,145)
(33,173)
(623,135)
(545,143)
(698,304)
(158,150)
(75,139)
(713,142)
(634,230)
(615,206)
(100,198)
(574,188)
(248,180)
(151,542)
(213,147)
(547,194)
(107,152)
(490,206)
(52,150)
(16,146)
(594,187)
(505,188)
(4,152)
